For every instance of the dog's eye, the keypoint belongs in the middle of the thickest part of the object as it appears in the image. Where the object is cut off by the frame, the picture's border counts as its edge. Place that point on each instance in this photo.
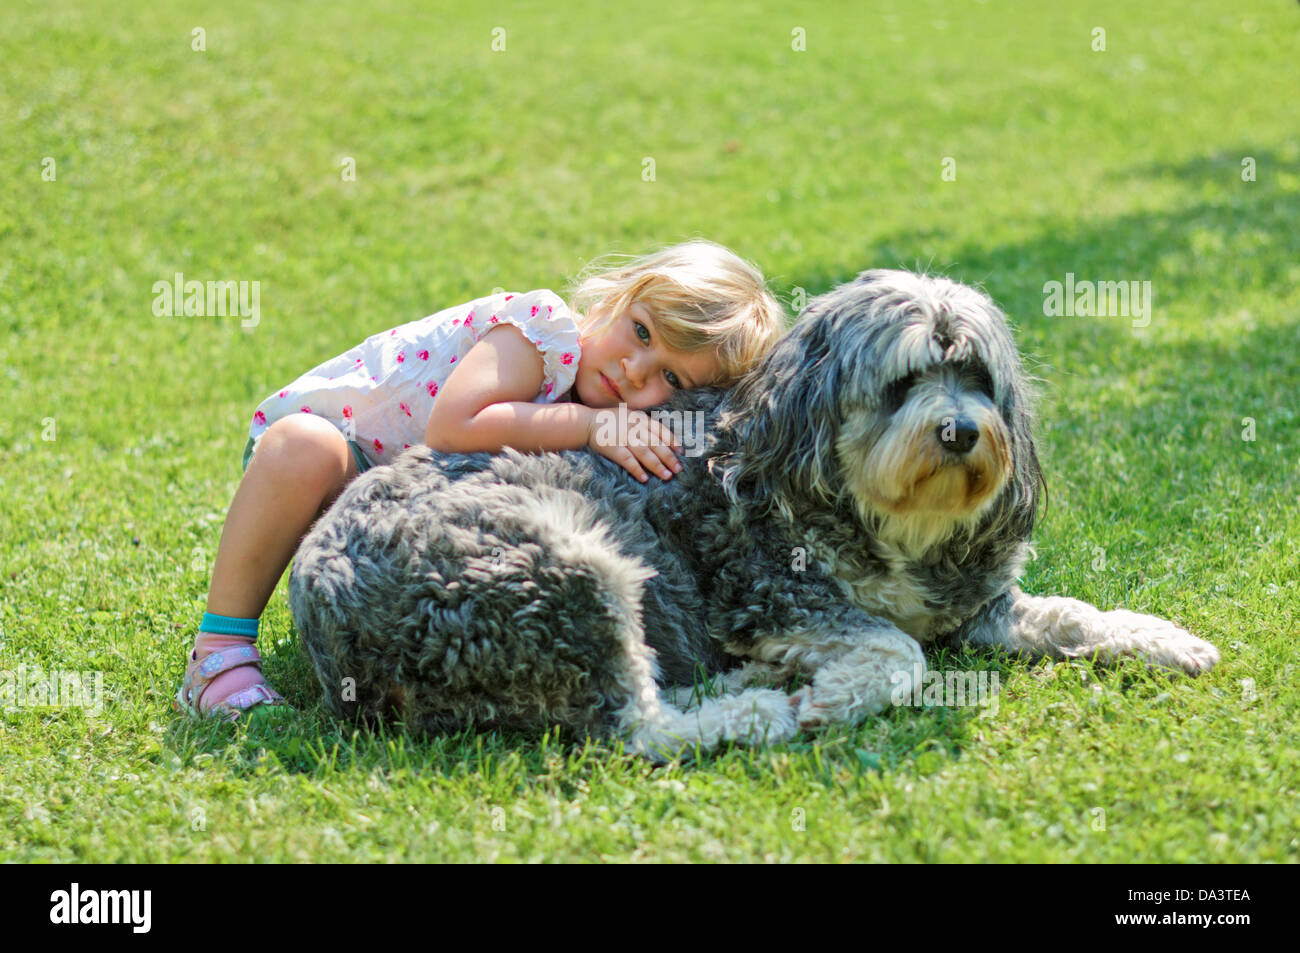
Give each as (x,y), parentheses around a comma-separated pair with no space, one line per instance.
(975,376)
(896,393)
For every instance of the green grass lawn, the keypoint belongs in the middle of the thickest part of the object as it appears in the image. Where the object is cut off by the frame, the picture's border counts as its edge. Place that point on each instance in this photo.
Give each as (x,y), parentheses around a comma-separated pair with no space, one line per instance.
(475,168)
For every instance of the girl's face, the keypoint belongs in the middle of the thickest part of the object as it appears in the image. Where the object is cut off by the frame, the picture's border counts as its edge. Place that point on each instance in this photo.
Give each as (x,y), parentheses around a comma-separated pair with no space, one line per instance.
(628,363)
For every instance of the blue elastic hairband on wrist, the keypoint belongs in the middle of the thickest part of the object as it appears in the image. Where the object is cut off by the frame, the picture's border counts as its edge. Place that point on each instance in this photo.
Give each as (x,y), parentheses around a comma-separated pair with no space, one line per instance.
(228,625)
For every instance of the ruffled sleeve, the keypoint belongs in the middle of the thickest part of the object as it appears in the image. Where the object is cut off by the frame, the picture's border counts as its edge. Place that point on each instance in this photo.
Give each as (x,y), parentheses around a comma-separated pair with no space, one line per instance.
(546,321)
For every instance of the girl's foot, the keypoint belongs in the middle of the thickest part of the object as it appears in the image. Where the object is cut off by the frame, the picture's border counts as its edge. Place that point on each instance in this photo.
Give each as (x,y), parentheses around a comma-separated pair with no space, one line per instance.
(224,678)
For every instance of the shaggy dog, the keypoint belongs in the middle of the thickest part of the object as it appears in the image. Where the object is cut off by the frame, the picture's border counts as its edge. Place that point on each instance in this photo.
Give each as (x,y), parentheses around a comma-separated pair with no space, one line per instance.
(870,488)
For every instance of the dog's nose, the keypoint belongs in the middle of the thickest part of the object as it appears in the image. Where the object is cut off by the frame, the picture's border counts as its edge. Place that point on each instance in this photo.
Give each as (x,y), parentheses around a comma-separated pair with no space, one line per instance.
(958,435)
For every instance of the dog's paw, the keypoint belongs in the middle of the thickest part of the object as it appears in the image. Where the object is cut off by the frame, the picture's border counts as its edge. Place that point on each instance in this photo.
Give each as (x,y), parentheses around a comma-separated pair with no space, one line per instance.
(815,708)
(758,716)
(1159,642)
(806,711)
(864,682)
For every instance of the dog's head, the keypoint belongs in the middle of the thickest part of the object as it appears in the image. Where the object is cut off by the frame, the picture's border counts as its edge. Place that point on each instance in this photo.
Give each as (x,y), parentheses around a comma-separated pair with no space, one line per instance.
(902,394)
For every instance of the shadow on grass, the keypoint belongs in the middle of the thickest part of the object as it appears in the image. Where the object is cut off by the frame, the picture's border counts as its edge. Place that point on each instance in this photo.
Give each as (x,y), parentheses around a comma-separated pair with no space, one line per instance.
(1241,235)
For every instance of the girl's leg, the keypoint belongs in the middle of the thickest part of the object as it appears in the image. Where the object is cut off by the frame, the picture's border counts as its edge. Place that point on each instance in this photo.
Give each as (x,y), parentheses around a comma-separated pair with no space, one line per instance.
(301,466)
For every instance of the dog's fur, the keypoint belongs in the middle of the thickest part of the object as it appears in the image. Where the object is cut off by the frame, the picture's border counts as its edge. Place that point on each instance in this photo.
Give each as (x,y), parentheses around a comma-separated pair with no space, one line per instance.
(868,489)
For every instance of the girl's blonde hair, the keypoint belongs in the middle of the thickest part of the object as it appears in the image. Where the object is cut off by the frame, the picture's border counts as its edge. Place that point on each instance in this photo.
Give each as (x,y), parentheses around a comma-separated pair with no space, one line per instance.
(703,297)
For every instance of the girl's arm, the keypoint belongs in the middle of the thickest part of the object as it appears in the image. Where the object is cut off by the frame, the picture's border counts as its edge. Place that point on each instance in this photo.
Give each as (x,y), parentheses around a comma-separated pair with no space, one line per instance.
(486,404)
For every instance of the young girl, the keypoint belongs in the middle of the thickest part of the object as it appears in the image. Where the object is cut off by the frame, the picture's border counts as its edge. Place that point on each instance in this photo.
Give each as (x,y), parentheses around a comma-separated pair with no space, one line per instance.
(508,370)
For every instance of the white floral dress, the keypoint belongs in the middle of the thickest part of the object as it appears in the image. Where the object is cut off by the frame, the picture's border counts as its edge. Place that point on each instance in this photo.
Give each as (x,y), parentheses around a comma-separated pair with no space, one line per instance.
(381,392)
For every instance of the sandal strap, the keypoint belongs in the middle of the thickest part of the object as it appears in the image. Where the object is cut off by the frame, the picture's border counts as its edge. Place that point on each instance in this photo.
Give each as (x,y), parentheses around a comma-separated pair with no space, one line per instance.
(200,674)
(248,697)
(223,660)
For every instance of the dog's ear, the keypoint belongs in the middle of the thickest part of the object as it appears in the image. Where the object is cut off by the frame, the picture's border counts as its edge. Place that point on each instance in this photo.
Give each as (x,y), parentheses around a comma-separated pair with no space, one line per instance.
(784,416)
(1027,475)
(1018,509)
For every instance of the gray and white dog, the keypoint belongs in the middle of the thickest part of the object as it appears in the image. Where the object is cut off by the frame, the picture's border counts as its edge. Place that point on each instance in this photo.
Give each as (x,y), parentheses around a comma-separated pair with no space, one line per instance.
(870,488)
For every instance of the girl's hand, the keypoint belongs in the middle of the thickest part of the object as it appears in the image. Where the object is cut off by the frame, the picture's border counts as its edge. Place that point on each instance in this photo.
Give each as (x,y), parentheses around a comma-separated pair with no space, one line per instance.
(649,445)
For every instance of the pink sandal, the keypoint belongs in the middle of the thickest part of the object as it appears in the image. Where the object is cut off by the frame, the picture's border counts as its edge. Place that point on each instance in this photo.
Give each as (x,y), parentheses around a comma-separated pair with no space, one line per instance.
(199,675)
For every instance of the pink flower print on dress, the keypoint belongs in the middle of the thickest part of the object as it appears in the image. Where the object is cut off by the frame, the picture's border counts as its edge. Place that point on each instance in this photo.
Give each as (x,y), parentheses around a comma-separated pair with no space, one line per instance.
(549,388)
(432,388)
(259,418)
(401,357)
(508,297)
(492,320)
(455,322)
(566,358)
(305,409)
(406,446)
(469,319)
(379,447)
(533,312)
(347,412)
(548,310)
(423,355)
(405,409)
(283,392)
(392,332)
(453,359)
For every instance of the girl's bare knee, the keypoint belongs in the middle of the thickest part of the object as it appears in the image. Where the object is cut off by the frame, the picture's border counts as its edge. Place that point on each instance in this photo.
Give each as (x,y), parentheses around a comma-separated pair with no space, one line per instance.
(311,449)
